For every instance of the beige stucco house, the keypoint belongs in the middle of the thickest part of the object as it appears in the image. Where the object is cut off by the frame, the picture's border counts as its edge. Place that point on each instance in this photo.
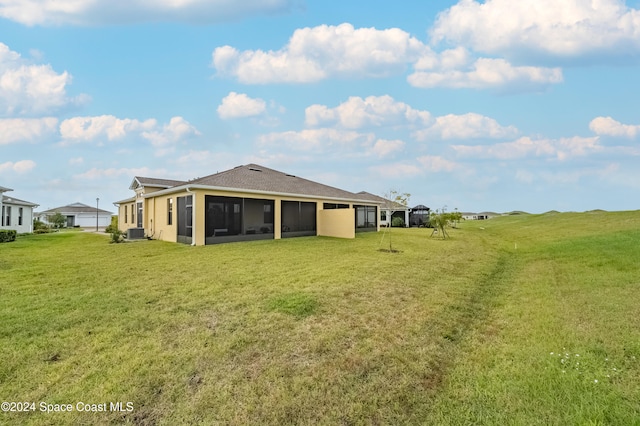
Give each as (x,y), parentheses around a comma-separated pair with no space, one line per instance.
(248,202)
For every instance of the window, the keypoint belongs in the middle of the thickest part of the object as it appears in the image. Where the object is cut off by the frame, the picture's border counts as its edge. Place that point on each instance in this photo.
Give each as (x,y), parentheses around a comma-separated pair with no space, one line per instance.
(383,215)
(2,215)
(331,206)
(133,219)
(125,214)
(19,216)
(7,221)
(170,211)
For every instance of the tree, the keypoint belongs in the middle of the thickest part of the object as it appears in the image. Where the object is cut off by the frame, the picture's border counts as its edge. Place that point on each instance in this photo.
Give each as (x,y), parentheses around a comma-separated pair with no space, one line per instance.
(441,220)
(57,220)
(394,201)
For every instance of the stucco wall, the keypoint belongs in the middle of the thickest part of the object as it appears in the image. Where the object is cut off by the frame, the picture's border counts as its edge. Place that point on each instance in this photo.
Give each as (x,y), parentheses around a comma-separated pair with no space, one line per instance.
(337,223)
(334,222)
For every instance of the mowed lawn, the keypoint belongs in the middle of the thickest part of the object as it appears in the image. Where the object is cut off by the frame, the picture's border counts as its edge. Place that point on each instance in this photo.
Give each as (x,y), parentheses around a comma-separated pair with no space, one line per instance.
(529,319)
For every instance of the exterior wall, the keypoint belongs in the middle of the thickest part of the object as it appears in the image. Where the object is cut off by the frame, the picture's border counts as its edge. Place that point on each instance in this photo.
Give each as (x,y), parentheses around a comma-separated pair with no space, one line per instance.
(27,218)
(337,223)
(88,220)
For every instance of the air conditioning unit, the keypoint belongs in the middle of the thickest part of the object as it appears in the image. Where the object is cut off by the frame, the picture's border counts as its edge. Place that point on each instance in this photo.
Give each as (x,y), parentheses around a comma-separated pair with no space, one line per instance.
(135,233)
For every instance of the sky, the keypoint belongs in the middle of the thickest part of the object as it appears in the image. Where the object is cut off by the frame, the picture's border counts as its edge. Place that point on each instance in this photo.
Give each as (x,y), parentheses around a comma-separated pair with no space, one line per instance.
(497,105)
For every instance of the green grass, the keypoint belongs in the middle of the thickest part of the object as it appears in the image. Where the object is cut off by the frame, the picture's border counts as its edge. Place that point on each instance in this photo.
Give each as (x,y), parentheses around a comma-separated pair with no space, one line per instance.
(511,321)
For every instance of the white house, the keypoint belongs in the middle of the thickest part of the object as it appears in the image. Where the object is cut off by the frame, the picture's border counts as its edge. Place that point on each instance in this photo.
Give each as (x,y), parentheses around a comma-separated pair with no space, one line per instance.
(16,214)
(389,209)
(79,215)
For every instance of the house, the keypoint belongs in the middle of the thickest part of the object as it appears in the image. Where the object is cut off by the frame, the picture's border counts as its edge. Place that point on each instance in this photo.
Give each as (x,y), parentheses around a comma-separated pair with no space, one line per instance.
(419,216)
(479,216)
(16,214)
(79,215)
(248,202)
(389,209)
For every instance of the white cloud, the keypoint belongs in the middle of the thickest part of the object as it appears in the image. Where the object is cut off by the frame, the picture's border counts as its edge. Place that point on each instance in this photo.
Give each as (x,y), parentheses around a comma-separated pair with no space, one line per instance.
(84,129)
(466,126)
(561,149)
(314,54)
(19,167)
(549,27)
(14,130)
(318,140)
(112,172)
(177,130)
(26,88)
(76,161)
(90,129)
(78,12)
(487,73)
(239,105)
(435,164)
(400,170)
(384,147)
(607,126)
(356,113)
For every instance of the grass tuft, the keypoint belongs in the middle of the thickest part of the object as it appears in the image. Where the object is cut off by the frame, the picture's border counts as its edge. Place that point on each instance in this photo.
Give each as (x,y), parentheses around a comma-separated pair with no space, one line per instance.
(299,305)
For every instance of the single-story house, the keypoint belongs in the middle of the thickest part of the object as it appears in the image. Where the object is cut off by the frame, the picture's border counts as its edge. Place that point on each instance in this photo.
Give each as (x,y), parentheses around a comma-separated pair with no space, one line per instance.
(479,216)
(248,202)
(389,209)
(16,214)
(79,215)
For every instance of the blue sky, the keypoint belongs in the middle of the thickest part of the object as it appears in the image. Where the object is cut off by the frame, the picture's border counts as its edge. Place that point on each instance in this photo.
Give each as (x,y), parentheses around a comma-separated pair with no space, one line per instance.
(494,105)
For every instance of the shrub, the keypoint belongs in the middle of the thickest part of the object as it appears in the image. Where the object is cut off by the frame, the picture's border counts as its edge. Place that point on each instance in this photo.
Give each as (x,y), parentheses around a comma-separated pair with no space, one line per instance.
(7,235)
(117,236)
(397,222)
(113,226)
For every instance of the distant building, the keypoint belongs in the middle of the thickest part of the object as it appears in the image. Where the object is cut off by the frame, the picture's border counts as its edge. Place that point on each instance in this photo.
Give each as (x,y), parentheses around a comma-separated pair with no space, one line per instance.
(389,209)
(419,216)
(479,216)
(16,214)
(79,215)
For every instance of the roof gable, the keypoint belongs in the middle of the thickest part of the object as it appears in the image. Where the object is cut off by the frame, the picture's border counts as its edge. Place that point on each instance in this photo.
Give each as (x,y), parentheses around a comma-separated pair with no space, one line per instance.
(76,208)
(140,181)
(16,201)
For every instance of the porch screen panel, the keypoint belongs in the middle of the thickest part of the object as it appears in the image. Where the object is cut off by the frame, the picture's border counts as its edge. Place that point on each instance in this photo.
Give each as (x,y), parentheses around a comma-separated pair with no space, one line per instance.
(298,218)
(185,219)
(366,218)
(223,216)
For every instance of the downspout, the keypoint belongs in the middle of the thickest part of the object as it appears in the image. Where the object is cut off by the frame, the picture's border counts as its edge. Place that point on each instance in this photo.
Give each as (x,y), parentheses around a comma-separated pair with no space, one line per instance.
(193,216)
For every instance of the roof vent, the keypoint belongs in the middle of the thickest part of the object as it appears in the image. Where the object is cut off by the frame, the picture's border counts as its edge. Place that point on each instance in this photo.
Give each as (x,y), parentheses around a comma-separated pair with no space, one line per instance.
(291,175)
(254,170)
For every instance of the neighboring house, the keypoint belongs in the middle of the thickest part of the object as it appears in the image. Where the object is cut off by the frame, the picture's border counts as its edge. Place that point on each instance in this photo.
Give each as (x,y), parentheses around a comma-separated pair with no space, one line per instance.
(16,214)
(419,215)
(79,215)
(479,216)
(248,202)
(389,209)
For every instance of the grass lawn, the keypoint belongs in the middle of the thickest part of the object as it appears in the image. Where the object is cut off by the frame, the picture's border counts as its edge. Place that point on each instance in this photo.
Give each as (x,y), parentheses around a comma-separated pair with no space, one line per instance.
(530,319)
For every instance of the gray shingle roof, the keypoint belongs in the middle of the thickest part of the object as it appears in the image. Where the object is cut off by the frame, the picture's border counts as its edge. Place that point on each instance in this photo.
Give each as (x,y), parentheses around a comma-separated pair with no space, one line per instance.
(3,189)
(259,178)
(75,208)
(155,182)
(14,200)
